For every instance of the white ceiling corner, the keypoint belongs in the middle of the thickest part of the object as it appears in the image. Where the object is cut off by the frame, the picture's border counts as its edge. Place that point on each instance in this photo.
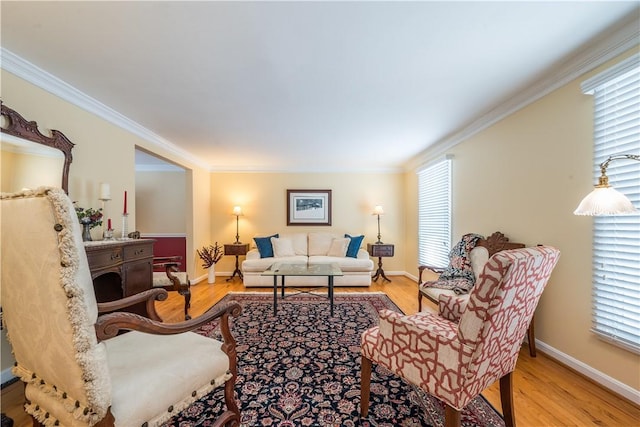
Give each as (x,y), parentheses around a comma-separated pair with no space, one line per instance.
(309,86)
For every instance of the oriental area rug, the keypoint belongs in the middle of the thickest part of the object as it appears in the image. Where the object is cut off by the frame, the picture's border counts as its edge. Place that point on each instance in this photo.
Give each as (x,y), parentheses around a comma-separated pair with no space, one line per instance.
(302,368)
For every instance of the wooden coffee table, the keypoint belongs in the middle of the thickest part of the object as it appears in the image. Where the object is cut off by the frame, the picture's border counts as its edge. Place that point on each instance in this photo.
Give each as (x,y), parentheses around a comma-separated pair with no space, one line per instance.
(284,270)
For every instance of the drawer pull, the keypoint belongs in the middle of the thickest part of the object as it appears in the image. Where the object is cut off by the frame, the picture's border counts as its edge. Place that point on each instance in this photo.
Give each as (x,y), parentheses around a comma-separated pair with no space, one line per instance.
(139,252)
(115,256)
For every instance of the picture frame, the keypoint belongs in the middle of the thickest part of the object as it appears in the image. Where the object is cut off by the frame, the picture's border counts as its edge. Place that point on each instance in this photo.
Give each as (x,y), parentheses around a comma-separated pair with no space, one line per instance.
(308,207)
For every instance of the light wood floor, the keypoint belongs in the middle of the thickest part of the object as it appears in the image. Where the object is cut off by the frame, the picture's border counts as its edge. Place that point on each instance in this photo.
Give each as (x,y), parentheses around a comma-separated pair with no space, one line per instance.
(545,392)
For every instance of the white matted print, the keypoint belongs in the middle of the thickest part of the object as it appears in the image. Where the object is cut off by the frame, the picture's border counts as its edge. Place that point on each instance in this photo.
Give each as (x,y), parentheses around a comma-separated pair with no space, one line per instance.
(308,207)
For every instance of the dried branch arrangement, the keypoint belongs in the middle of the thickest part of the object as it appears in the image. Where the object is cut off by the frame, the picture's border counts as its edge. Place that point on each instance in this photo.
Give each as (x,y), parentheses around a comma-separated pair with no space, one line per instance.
(210,254)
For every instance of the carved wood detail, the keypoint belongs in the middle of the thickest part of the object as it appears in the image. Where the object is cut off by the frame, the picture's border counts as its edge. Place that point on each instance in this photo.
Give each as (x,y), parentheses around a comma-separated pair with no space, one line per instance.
(19,127)
(498,242)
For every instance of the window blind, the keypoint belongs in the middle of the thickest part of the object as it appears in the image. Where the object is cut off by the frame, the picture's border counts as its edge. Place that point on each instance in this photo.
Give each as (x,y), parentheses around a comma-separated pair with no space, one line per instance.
(616,239)
(434,214)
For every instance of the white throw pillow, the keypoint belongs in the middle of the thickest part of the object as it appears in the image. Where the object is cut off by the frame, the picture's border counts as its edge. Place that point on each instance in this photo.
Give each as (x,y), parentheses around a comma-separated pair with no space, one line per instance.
(339,247)
(299,242)
(319,243)
(282,247)
(478,257)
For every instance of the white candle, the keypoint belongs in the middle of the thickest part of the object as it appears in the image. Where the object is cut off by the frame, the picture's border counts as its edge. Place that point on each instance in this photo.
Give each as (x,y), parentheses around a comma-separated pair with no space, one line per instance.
(105,191)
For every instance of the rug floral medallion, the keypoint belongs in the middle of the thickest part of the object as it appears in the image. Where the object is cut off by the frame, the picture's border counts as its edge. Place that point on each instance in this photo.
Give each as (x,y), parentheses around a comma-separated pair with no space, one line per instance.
(302,368)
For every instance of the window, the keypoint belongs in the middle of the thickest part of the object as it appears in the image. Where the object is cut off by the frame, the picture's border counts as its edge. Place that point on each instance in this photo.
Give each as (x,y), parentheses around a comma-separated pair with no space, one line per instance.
(616,239)
(434,214)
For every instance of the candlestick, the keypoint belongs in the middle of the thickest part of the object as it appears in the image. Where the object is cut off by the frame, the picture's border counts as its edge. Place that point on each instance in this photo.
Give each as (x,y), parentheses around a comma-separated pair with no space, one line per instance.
(102,209)
(125,225)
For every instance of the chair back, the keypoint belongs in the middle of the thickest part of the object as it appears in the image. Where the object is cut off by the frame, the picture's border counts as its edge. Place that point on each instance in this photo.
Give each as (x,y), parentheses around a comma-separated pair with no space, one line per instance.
(49,307)
(500,308)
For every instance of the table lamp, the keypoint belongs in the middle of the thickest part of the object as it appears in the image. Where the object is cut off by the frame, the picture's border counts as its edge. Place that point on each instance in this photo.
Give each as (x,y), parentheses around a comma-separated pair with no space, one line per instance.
(237,211)
(378,211)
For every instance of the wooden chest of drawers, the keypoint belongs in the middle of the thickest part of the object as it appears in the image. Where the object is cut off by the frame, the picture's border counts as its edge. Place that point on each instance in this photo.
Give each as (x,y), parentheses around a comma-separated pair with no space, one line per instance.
(120,268)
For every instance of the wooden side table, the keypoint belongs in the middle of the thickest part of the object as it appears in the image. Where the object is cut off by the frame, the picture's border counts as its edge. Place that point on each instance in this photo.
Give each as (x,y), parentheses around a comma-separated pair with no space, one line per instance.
(380,250)
(236,249)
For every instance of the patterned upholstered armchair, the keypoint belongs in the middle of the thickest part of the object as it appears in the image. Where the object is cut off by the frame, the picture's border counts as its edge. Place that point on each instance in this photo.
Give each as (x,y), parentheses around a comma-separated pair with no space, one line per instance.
(458,352)
(78,370)
(472,265)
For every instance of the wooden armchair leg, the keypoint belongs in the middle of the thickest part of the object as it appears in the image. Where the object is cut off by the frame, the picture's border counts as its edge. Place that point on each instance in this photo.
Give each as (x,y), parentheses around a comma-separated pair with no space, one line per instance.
(531,336)
(187,303)
(365,386)
(451,417)
(419,300)
(506,399)
(230,401)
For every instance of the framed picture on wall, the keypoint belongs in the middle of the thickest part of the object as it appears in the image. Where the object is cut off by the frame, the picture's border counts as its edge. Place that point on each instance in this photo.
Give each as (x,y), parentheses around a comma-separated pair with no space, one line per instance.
(308,207)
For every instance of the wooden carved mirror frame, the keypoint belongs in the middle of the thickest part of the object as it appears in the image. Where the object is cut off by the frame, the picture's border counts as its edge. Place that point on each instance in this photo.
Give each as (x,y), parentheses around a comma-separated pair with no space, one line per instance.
(19,127)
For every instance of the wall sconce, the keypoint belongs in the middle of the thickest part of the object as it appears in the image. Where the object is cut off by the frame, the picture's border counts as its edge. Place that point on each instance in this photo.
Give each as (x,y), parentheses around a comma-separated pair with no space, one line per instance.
(378,211)
(604,199)
(237,211)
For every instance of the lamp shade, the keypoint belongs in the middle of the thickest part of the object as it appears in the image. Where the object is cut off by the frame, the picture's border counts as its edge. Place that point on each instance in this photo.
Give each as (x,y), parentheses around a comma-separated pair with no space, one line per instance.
(378,210)
(605,200)
(237,211)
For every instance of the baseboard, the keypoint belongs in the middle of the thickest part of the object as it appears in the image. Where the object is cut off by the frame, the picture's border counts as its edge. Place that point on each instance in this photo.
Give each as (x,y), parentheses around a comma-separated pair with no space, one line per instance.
(598,377)
(6,376)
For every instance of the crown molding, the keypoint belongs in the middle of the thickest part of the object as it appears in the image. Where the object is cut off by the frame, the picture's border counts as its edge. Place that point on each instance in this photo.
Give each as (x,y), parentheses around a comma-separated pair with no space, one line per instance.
(600,50)
(159,168)
(52,84)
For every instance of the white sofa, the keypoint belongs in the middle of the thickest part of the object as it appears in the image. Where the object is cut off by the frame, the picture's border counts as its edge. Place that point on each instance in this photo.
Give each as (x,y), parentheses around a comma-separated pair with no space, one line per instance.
(312,247)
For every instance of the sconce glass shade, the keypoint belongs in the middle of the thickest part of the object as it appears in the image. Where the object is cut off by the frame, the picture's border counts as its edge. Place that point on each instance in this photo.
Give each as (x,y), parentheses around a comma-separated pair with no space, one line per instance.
(605,200)
(378,210)
(237,211)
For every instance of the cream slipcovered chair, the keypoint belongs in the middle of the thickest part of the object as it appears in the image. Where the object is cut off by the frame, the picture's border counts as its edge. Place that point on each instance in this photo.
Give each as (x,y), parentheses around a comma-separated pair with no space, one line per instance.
(74,375)
(456,353)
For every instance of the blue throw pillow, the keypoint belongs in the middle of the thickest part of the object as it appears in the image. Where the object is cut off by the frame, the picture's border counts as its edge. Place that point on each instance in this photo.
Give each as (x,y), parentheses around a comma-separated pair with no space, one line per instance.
(354,245)
(264,245)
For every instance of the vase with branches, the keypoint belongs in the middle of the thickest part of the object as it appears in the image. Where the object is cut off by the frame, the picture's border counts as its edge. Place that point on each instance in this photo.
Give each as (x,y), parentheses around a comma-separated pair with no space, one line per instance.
(210,255)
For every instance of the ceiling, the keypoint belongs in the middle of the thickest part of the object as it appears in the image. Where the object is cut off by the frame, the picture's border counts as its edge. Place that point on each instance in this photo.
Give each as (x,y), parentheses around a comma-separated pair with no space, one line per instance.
(303,86)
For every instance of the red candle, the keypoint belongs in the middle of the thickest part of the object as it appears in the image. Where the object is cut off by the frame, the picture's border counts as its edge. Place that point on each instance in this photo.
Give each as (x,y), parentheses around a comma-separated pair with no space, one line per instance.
(125,202)
(109,224)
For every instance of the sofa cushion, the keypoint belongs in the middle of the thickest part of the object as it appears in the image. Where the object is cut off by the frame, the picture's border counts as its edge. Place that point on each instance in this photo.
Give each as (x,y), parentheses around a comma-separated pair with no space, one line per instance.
(346,264)
(299,242)
(338,247)
(354,245)
(282,247)
(259,265)
(320,243)
(264,245)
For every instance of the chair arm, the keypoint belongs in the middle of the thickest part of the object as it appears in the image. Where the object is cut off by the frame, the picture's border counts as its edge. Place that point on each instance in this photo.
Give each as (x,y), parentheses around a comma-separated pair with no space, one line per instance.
(108,325)
(451,307)
(421,268)
(149,297)
(167,265)
(175,258)
(436,328)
